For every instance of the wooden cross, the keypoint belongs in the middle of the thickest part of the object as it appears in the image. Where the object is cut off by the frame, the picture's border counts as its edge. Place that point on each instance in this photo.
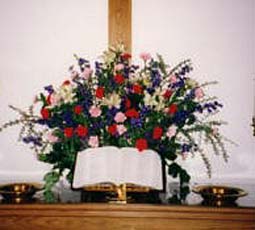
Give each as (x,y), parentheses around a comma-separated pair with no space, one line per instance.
(119,23)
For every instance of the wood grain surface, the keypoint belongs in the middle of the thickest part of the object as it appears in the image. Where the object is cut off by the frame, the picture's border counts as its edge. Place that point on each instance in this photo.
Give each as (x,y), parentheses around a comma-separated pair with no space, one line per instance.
(119,23)
(130,216)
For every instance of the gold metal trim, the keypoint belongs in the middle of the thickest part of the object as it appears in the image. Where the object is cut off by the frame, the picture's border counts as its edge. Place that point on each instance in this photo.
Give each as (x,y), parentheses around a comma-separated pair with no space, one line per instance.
(120,190)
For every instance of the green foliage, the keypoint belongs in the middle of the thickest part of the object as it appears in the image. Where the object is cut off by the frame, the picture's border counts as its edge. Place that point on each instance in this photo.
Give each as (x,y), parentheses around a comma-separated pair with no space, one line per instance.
(51,178)
(176,170)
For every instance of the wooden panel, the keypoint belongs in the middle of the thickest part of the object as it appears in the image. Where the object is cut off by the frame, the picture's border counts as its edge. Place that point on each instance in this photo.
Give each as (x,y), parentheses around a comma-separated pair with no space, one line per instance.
(131,216)
(119,22)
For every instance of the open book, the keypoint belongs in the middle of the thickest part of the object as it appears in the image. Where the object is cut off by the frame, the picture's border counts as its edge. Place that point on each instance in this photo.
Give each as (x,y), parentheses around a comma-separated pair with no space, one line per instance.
(118,166)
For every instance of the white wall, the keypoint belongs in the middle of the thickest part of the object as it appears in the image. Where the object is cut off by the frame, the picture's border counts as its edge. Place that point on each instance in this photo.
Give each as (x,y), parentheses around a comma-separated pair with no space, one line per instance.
(219,37)
(37,43)
(39,37)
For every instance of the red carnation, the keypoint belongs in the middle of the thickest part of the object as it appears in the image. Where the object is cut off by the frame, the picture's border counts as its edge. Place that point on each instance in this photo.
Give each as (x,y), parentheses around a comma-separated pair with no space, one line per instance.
(167,94)
(141,144)
(126,56)
(119,79)
(138,89)
(127,103)
(81,131)
(68,132)
(100,92)
(172,109)
(67,82)
(132,113)
(157,133)
(48,99)
(78,109)
(45,113)
(112,129)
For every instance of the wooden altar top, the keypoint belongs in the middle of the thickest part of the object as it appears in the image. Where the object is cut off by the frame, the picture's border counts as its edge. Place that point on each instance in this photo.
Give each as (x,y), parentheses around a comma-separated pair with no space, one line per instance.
(130,216)
(72,214)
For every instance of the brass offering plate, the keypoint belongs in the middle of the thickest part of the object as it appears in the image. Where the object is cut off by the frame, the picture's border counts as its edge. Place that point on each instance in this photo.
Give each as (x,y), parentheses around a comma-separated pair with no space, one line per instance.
(219,195)
(19,192)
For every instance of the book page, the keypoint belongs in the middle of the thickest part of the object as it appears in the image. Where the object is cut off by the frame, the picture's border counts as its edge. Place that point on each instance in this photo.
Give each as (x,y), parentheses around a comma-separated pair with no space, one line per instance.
(118,165)
(95,165)
(142,168)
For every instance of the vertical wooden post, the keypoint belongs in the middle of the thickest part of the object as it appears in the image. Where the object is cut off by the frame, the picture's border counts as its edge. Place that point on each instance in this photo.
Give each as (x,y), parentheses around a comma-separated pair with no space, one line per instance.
(119,23)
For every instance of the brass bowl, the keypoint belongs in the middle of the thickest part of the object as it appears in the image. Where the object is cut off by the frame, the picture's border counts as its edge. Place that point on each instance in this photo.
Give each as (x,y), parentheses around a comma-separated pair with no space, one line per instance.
(219,195)
(19,192)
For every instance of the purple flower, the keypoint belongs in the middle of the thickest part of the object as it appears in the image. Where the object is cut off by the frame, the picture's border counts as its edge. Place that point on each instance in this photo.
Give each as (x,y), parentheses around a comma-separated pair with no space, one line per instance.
(136,122)
(98,67)
(144,111)
(67,117)
(49,89)
(33,140)
(155,78)
(186,148)
(82,61)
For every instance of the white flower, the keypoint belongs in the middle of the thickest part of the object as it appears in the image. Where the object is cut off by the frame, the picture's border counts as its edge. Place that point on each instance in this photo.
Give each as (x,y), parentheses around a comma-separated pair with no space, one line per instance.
(149,100)
(156,100)
(66,93)
(113,100)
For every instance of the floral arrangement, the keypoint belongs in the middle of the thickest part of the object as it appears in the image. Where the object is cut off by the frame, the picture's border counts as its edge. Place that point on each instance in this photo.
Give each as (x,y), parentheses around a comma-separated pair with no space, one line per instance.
(152,106)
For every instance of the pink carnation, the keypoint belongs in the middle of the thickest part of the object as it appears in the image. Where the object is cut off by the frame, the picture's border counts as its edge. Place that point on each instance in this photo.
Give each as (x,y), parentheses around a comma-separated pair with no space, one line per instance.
(171,131)
(52,138)
(120,117)
(93,141)
(86,73)
(119,67)
(121,129)
(199,93)
(145,56)
(173,79)
(95,111)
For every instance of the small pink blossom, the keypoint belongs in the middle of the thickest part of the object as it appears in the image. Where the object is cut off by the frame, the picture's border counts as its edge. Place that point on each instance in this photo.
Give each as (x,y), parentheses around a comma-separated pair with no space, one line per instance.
(173,79)
(215,131)
(171,131)
(95,111)
(52,138)
(119,67)
(185,155)
(74,74)
(86,73)
(145,56)
(199,93)
(120,117)
(121,129)
(93,141)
